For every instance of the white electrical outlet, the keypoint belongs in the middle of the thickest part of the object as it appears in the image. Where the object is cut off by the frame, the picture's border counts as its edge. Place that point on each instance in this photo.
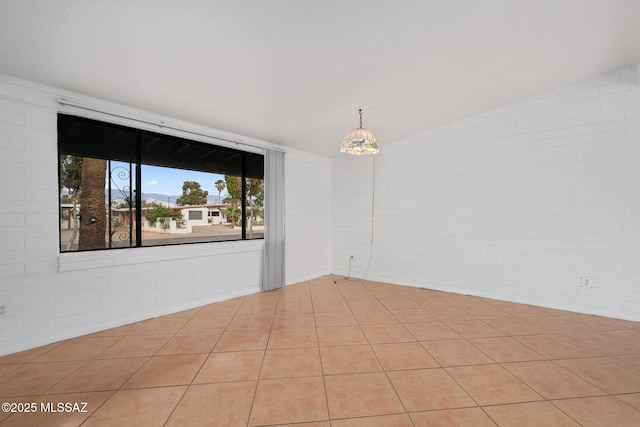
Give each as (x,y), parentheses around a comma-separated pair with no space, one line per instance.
(586,282)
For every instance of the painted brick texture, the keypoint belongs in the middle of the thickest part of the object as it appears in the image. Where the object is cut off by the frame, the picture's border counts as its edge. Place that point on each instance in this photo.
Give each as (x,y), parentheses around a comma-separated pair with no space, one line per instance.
(52,296)
(517,203)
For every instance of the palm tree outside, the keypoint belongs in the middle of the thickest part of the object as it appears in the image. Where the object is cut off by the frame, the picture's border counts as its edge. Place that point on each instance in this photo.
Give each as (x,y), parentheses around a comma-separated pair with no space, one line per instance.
(220,186)
(93,218)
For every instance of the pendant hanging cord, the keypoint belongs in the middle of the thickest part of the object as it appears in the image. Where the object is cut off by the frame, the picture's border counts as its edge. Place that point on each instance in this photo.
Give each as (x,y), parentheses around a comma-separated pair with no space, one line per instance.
(360,111)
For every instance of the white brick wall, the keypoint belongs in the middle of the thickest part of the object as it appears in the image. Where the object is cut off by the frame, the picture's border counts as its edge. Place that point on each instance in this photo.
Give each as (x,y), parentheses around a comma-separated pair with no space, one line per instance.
(308,216)
(516,203)
(52,296)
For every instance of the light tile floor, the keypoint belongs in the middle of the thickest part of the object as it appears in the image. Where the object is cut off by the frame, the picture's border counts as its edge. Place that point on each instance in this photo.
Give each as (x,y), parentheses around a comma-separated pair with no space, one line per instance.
(355,353)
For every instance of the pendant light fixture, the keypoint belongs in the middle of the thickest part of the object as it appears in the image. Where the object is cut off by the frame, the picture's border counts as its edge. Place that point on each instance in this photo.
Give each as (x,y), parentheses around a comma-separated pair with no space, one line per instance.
(360,141)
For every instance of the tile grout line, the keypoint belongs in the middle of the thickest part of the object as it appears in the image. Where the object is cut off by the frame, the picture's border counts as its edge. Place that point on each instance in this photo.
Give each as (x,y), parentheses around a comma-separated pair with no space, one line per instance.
(188,386)
(324,381)
(86,362)
(380,295)
(406,412)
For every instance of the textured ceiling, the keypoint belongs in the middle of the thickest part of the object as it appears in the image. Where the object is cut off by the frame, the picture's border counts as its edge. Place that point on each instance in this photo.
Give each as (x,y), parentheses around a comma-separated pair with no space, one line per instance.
(295,72)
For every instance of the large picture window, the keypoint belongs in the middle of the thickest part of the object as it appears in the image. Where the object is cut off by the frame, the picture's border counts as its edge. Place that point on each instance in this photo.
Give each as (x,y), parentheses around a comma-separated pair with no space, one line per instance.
(123,187)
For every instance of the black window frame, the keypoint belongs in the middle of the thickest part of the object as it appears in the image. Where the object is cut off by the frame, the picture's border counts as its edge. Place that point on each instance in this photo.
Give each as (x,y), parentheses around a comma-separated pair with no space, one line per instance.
(133,148)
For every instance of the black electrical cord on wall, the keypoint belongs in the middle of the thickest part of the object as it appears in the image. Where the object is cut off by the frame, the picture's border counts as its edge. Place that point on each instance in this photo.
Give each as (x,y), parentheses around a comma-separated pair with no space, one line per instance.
(373,204)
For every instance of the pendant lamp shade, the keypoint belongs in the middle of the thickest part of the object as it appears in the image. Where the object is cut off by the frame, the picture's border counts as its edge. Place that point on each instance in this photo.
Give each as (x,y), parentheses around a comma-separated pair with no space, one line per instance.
(360,141)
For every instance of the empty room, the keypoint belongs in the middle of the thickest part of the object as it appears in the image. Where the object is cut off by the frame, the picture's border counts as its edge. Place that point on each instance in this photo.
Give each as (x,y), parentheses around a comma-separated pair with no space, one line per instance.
(320,213)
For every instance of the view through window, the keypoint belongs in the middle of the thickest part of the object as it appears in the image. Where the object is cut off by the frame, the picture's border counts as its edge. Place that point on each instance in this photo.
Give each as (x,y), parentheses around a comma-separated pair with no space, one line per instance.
(123,187)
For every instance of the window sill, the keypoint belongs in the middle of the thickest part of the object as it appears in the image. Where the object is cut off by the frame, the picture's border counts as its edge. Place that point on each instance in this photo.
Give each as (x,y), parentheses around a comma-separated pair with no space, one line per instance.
(73,261)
